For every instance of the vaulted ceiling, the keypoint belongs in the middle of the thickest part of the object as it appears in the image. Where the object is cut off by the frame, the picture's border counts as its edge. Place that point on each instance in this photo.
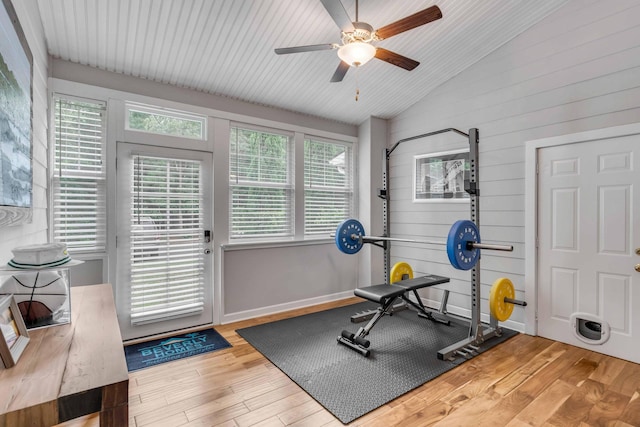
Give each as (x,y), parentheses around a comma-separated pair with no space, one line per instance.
(226,47)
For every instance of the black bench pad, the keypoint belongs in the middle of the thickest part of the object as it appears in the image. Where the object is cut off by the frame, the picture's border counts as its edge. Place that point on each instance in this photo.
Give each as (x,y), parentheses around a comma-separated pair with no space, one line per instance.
(421,282)
(379,293)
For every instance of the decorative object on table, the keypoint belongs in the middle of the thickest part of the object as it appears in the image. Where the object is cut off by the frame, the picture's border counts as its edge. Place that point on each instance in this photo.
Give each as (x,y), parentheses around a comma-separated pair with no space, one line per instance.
(39,283)
(41,256)
(16,95)
(14,336)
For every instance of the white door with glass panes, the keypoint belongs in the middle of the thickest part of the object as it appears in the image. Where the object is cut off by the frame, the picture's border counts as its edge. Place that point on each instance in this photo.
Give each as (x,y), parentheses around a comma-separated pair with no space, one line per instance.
(164,222)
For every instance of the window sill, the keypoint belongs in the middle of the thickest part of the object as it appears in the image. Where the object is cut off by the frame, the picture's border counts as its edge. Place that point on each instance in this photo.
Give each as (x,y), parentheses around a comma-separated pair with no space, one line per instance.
(88,256)
(238,246)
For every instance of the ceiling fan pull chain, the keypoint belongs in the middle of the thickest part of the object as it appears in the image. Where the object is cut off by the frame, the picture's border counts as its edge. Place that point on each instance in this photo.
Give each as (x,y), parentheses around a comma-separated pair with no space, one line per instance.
(357,89)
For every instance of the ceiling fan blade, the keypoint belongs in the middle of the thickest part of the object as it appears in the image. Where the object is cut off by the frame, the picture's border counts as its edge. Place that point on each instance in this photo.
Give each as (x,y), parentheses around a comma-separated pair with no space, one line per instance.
(342,69)
(309,48)
(339,14)
(396,59)
(412,21)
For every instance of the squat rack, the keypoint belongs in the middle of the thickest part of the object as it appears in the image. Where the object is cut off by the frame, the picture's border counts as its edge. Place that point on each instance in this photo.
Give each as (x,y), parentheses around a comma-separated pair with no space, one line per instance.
(478,333)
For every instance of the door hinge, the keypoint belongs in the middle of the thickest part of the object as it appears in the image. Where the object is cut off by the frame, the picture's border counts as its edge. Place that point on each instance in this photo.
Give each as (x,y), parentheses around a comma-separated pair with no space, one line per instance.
(116,241)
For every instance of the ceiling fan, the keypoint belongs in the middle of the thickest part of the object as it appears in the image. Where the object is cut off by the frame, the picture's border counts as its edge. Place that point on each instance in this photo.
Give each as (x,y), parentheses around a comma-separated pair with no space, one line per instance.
(356,48)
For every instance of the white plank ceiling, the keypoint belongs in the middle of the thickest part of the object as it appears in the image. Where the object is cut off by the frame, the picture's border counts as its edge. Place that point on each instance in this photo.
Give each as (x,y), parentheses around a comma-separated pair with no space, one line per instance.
(225,47)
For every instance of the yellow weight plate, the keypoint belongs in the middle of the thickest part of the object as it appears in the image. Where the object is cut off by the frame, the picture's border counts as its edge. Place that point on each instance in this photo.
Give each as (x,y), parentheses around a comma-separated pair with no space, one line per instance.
(501,288)
(398,270)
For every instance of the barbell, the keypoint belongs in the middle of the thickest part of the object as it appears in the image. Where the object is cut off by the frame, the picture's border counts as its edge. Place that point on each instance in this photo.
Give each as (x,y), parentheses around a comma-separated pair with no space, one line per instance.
(463,242)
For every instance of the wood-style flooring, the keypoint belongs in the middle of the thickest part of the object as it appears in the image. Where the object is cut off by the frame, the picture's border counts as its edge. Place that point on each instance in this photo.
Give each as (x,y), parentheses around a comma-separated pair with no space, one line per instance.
(526,381)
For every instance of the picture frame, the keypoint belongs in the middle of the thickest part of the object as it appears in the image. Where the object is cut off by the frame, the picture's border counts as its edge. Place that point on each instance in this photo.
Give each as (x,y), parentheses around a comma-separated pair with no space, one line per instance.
(16,120)
(14,336)
(439,177)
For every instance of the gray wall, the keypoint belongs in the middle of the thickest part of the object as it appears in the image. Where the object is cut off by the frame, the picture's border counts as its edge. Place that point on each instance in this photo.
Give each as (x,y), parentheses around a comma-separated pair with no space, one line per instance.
(577,70)
(267,280)
(36,231)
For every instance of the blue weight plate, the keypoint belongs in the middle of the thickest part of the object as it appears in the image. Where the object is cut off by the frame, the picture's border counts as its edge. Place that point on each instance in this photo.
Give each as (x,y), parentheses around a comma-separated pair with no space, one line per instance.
(345,236)
(461,232)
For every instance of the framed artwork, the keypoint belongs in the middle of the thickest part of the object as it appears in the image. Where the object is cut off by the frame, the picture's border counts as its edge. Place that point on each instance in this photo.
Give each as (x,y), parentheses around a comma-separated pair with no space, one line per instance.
(440,176)
(16,99)
(14,336)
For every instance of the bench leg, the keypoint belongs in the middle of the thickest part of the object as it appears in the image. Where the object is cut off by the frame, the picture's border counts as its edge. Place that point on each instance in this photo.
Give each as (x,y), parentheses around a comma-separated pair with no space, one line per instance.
(357,341)
(423,311)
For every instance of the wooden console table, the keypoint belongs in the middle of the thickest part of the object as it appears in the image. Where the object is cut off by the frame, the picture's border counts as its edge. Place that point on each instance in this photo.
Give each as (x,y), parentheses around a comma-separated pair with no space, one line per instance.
(71,370)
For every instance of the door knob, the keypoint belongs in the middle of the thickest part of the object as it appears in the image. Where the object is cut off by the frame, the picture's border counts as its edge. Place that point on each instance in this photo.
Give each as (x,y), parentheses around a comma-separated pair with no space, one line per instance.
(637,268)
(637,251)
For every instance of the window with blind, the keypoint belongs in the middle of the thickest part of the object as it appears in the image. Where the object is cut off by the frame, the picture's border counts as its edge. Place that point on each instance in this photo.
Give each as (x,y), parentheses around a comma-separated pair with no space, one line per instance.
(166,239)
(79,178)
(260,184)
(328,185)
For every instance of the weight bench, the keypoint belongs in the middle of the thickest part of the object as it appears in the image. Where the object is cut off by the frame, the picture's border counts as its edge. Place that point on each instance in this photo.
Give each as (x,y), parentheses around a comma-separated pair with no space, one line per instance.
(386,295)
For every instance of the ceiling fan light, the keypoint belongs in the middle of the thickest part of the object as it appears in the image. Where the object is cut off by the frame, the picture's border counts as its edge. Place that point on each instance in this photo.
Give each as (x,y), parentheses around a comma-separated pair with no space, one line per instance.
(356,53)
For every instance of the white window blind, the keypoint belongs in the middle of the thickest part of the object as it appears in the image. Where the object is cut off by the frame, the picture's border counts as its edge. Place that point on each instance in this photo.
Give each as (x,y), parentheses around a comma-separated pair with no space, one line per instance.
(79,180)
(166,239)
(260,181)
(328,185)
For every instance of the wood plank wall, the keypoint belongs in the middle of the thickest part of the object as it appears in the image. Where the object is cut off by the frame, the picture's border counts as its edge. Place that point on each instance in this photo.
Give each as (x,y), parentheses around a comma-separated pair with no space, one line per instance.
(577,70)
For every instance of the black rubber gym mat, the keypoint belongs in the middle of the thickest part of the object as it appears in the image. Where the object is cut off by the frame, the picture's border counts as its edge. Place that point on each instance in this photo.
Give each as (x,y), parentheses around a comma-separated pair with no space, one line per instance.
(403,356)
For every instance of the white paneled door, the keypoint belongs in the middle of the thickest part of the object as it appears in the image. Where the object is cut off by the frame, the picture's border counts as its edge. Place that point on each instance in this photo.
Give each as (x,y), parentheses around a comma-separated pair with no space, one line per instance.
(589,232)
(164,265)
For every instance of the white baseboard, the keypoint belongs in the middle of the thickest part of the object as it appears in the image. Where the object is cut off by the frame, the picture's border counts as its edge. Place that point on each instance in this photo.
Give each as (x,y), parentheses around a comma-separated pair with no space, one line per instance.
(279,308)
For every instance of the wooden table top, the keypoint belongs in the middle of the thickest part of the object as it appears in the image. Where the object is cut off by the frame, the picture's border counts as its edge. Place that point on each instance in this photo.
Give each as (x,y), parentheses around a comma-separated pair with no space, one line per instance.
(60,361)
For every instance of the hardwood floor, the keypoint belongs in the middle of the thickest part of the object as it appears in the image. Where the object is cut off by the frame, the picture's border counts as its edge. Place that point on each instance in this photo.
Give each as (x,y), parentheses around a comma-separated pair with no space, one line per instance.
(526,381)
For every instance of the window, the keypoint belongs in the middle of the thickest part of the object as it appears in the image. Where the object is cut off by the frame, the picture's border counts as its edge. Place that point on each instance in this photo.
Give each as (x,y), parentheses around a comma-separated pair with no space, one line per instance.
(79,179)
(328,185)
(165,122)
(260,184)
(166,239)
